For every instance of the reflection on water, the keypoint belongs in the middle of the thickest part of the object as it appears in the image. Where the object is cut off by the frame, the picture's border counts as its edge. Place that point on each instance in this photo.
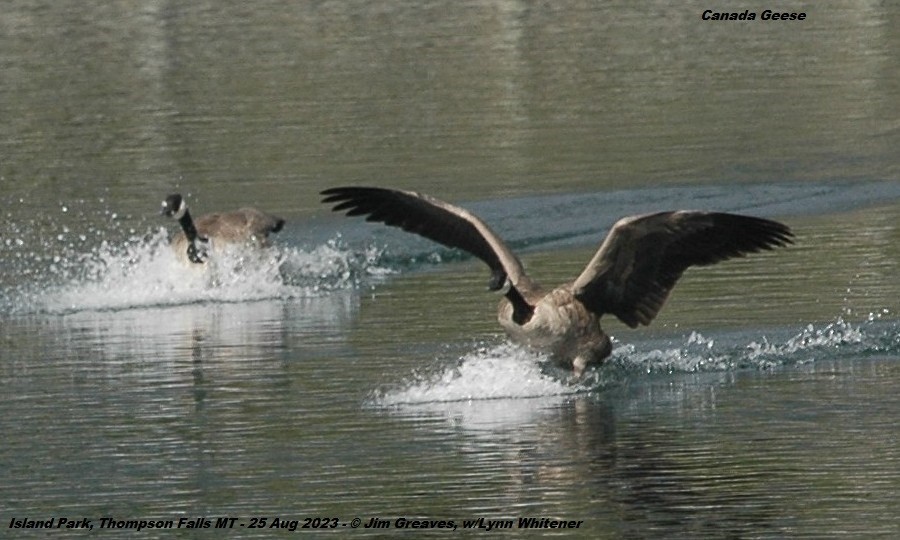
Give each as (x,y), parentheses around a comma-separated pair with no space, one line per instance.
(358,372)
(161,345)
(692,455)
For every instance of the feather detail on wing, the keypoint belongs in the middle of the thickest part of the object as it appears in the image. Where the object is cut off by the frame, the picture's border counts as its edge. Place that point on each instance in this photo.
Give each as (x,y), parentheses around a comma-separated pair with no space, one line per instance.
(642,257)
(436,220)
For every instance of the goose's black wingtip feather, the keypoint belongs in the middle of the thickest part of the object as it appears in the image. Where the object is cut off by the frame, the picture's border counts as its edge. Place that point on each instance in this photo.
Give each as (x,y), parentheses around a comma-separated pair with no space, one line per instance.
(776,234)
(755,233)
(354,200)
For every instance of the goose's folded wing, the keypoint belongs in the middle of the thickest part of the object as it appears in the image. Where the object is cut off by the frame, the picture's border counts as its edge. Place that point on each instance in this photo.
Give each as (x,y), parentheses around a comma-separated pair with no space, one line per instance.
(261,223)
(642,257)
(239,225)
(431,218)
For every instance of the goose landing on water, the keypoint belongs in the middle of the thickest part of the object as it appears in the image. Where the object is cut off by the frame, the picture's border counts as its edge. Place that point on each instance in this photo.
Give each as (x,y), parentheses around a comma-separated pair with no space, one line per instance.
(630,276)
(196,238)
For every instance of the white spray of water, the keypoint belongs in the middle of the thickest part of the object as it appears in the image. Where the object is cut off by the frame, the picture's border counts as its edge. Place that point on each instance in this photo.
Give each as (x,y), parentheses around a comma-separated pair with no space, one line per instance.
(508,372)
(503,371)
(144,272)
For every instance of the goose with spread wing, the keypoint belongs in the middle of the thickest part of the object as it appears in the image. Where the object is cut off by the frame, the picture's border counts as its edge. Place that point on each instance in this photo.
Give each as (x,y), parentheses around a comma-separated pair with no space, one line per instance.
(630,276)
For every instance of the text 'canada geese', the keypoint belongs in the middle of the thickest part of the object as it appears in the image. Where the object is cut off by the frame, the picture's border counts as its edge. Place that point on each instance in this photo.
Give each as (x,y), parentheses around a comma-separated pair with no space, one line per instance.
(630,276)
(246,225)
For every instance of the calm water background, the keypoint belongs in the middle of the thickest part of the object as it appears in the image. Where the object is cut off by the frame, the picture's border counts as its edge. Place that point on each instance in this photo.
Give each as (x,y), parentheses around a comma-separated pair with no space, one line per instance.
(356,371)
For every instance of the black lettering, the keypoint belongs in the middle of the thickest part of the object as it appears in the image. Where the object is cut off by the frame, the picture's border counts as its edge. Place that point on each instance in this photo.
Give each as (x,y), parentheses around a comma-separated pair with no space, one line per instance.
(769,15)
(746,15)
(225,523)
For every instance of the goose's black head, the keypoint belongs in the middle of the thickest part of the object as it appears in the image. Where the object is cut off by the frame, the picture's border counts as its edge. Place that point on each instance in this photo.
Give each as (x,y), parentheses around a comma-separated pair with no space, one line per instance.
(174,206)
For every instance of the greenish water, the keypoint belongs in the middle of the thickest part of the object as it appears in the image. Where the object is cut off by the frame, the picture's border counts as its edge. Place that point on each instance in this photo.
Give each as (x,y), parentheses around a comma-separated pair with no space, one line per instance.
(356,371)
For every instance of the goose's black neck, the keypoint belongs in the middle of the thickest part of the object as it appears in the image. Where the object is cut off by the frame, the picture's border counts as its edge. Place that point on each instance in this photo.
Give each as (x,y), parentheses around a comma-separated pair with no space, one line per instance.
(196,249)
(522,310)
(187,225)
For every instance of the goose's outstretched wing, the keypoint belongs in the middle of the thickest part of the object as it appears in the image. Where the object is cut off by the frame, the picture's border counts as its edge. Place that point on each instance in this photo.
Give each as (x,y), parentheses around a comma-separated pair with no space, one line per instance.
(434,219)
(642,257)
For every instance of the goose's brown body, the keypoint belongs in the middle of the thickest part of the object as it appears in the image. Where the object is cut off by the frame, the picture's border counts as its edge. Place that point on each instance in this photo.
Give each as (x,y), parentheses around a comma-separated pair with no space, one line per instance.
(561,327)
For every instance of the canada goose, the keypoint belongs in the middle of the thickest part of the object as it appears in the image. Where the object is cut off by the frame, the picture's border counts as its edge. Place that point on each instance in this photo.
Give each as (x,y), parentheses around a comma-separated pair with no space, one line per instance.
(630,276)
(246,225)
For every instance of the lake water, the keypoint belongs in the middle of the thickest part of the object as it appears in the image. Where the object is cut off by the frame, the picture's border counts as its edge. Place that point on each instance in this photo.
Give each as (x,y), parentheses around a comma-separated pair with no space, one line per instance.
(354,371)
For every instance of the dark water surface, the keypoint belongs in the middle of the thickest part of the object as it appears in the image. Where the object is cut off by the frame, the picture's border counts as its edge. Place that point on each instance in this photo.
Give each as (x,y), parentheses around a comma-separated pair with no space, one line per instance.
(356,371)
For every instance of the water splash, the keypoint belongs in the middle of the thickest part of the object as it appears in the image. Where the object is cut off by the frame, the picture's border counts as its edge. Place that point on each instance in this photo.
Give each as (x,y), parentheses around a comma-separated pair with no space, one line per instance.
(699,353)
(509,372)
(143,271)
(503,371)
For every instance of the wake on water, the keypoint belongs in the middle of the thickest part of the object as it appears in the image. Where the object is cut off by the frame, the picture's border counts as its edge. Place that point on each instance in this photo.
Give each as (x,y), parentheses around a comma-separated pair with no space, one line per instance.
(505,371)
(144,272)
